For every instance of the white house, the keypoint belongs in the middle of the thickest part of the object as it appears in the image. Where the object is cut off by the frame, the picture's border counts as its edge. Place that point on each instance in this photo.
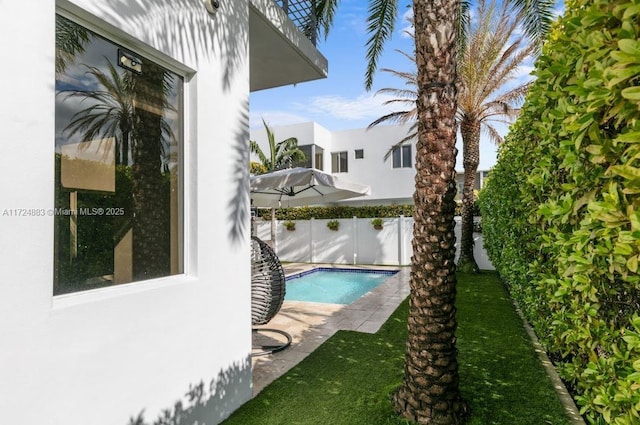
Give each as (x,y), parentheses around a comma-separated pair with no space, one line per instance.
(361,155)
(124,209)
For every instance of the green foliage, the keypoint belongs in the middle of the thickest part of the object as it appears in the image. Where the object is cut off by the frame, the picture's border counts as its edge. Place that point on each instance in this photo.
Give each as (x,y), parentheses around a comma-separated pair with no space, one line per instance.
(307,213)
(333,224)
(561,212)
(377,223)
(283,154)
(289,225)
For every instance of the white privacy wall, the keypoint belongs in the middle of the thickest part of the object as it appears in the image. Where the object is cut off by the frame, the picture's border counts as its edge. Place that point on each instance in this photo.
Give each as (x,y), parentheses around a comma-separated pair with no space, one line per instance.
(105,356)
(355,242)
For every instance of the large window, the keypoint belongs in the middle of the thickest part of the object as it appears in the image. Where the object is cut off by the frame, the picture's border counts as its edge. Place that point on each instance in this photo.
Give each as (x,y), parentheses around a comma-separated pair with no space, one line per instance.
(402,156)
(339,162)
(118,153)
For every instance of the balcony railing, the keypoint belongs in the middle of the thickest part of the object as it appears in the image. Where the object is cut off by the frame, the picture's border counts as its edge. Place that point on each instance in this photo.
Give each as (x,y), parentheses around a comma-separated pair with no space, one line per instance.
(303,15)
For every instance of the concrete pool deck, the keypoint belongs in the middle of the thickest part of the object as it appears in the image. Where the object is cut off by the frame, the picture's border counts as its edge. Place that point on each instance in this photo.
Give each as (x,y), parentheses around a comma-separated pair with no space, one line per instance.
(310,324)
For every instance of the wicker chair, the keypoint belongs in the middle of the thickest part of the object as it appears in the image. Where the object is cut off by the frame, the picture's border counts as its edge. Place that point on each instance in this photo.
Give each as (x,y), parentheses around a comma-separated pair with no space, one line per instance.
(267,292)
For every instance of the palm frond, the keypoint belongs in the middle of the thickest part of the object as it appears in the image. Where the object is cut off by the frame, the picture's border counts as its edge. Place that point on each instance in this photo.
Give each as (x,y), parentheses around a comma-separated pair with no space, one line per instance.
(400,117)
(325,14)
(413,133)
(537,18)
(71,40)
(403,95)
(380,24)
(494,135)
(462,24)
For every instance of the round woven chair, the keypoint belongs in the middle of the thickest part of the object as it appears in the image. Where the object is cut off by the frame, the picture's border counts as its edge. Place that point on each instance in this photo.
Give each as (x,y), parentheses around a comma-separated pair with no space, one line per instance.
(268,289)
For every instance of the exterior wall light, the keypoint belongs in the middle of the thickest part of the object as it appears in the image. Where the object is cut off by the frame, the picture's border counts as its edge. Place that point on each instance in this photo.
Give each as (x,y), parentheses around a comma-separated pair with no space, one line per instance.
(212,6)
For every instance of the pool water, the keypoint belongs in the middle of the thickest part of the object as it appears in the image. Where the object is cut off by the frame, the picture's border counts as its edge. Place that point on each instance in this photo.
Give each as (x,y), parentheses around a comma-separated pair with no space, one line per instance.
(334,286)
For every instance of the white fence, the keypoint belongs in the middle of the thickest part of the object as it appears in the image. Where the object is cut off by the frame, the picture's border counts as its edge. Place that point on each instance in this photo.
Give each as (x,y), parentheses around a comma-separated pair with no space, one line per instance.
(355,242)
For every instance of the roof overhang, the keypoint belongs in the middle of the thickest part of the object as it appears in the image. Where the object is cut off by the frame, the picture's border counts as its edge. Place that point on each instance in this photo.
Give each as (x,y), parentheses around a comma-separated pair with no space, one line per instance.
(279,52)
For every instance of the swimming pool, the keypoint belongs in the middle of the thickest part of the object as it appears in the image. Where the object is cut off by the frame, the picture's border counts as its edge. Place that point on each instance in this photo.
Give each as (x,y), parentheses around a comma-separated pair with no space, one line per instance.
(334,286)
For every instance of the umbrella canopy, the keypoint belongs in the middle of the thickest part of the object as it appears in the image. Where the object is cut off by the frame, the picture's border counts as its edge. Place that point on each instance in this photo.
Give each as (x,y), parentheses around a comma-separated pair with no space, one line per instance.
(293,187)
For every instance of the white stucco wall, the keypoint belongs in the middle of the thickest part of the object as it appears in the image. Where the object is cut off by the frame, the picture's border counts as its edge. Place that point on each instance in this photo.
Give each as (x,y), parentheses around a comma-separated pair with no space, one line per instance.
(387,183)
(104,356)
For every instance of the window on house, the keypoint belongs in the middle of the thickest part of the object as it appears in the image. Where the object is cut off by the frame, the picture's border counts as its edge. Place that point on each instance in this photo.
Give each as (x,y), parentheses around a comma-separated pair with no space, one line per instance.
(319,164)
(402,157)
(339,162)
(307,163)
(359,153)
(118,153)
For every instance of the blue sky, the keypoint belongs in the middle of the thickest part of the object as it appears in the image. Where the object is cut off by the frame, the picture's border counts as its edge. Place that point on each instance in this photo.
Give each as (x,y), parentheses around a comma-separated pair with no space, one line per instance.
(340,101)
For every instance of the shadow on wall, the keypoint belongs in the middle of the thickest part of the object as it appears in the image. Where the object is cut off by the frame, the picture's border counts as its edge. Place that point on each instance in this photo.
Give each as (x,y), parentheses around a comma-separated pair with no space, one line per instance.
(239,204)
(201,38)
(205,404)
(223,35)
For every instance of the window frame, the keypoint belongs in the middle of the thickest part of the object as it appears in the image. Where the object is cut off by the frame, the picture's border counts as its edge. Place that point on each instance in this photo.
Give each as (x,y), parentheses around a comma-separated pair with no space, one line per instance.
(336,166)
(402,156)
(185,149)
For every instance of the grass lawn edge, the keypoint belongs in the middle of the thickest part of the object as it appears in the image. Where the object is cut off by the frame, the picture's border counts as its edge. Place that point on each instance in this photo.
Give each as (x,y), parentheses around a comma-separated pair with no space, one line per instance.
(569,404)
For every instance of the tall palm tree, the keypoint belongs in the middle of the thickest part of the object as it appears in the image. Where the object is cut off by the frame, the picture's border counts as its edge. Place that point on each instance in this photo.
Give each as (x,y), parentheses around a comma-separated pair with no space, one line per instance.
(283,154)
(487,63)
(429,393)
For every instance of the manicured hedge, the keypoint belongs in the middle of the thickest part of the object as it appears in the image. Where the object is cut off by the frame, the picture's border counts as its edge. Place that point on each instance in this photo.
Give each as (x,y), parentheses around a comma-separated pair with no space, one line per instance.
(306,213)
(561,209)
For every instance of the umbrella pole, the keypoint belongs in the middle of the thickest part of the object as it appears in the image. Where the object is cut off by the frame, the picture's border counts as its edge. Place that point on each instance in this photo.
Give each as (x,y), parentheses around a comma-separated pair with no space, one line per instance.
(273,229)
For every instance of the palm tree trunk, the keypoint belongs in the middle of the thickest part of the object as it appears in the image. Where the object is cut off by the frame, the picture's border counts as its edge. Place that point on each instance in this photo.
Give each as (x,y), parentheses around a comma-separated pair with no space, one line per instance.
(470,130)
(429,393)
(151,254)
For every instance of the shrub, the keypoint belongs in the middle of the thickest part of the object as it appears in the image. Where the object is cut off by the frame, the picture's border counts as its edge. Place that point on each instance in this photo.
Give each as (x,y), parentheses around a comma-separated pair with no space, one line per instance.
(377,223)
(333,224)
(561,211)
(306,213)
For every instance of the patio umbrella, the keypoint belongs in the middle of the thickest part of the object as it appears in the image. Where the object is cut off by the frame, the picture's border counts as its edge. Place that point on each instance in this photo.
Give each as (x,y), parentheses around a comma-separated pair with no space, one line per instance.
(293,187)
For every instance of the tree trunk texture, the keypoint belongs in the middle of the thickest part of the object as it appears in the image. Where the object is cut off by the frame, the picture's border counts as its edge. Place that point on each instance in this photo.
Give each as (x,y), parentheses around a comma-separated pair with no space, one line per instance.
(151,253)
(470,130)
(430,393)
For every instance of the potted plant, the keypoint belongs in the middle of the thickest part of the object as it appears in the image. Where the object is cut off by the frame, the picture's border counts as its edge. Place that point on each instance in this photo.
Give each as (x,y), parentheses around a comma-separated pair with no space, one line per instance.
(289,225)
(377,223)
(333,224)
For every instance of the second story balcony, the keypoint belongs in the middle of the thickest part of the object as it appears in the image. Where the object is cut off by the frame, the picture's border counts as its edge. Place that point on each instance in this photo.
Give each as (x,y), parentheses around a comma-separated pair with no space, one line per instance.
(282,42)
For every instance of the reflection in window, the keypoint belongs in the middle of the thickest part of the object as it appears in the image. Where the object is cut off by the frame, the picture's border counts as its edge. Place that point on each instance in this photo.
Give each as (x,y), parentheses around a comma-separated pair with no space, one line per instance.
(319,158)
(307,163)
(117,160)
(402,156)
(339,162)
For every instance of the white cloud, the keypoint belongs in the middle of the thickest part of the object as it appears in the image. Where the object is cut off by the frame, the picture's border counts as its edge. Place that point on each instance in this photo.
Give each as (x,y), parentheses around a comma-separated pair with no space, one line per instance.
(365,106)
(407,27)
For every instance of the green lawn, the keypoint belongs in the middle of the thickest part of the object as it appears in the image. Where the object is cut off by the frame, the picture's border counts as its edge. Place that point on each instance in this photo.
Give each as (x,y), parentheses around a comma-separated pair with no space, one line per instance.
(348,379)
